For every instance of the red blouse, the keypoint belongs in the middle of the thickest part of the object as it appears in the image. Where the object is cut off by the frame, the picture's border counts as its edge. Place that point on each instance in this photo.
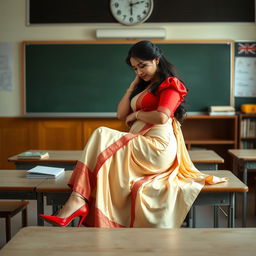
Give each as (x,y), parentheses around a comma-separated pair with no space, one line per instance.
(168,97)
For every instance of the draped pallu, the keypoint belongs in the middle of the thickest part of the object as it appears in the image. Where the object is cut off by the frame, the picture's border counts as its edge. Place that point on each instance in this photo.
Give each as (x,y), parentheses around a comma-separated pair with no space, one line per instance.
(143,178)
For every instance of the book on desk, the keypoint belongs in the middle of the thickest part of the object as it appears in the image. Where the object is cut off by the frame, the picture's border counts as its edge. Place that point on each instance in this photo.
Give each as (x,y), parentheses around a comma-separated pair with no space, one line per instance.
(33,155)
(221,110)
(42,172)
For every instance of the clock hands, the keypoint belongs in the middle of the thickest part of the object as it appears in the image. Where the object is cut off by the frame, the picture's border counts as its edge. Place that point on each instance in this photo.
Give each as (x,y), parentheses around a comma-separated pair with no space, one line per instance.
(131,4)
(139,2)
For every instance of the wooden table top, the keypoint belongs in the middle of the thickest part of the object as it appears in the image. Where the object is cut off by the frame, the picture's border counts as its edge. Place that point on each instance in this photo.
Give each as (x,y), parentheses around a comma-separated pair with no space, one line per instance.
(243,154)
(69,156)
(233,184)
(68,241)
(197,156)
(205,156)
(56,185)
(17,180)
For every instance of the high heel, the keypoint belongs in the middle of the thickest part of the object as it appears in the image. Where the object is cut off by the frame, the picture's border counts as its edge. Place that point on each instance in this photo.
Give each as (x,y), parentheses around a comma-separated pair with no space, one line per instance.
(82,212)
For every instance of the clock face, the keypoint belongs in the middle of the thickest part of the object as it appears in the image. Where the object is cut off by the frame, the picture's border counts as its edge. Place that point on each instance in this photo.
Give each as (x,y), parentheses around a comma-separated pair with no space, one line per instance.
(131,12)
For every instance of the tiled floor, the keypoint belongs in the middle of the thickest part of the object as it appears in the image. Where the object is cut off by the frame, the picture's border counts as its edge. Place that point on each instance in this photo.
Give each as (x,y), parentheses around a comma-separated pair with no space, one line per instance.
(204,216)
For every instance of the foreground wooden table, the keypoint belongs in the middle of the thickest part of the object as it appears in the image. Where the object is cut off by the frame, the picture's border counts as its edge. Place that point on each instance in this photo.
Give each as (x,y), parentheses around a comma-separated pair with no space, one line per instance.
(244,159)
(56,241)
(57,192)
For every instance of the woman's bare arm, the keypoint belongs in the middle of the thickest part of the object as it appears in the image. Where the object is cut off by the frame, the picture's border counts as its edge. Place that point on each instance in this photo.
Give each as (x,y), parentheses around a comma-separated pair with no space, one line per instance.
(124,108)
(150,117)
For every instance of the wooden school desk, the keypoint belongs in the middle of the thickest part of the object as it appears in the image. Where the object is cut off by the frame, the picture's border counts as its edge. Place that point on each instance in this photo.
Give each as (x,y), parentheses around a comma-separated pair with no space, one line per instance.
(57,158)
(57,241)
(203,159)
(57,192)
(244,159)
(15,185)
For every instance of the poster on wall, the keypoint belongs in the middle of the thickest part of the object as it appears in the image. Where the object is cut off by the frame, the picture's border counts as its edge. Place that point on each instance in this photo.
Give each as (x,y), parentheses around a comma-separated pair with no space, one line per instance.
(245,69)
(6,66)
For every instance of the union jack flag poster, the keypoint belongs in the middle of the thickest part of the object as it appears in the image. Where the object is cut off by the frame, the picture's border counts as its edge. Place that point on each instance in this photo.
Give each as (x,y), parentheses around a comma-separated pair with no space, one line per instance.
(245,69)
(245,49)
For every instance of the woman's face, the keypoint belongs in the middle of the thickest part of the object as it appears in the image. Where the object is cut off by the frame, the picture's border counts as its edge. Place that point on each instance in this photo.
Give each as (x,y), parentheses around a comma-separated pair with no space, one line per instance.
(145,69)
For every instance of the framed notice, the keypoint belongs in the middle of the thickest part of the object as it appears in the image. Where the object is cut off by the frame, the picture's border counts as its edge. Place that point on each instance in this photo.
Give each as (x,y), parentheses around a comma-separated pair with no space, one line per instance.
(245,69)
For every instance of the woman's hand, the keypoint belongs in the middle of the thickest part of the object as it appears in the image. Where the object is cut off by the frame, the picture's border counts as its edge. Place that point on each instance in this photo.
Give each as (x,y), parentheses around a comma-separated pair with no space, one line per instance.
(124,108)
(130,119)
(136,80)
(134,83)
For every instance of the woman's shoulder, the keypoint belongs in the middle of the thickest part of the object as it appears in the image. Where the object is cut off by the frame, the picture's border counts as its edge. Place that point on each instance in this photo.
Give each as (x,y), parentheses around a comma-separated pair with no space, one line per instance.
(173,83)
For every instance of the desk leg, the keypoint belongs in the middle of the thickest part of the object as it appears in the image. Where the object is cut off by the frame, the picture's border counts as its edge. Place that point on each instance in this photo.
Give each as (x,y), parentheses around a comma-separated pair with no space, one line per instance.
(244,198)
(236,172)
(231,211)
(216,216)
(235,166)
(193,217)
(216,209)
(40,208)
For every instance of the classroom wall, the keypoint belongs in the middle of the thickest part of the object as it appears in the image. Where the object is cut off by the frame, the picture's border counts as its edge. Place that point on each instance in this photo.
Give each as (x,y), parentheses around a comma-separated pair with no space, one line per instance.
(13,30)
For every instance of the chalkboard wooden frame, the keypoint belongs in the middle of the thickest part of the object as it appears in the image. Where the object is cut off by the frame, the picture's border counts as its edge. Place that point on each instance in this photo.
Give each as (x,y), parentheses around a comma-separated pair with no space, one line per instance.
(27,112)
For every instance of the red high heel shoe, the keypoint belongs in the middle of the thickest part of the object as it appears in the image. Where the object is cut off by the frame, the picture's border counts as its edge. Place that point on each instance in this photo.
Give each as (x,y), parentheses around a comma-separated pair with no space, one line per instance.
(82,212)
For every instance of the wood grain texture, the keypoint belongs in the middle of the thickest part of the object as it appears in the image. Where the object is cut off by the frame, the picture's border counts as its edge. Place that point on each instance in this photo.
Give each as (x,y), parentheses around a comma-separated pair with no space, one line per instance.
(56,241)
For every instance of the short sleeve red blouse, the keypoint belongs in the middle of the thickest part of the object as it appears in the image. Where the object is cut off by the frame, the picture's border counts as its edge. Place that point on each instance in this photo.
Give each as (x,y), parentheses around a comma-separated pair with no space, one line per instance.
(167,98)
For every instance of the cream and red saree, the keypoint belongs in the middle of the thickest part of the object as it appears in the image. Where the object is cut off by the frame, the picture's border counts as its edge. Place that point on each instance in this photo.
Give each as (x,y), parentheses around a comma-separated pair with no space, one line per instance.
(143,178)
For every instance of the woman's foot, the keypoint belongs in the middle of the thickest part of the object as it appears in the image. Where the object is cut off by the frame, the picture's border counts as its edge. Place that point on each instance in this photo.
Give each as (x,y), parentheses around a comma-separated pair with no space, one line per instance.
(74,202)
(75,206)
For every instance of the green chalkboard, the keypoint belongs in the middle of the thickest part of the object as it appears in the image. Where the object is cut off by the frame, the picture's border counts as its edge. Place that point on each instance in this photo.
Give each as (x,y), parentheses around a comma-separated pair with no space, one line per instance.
(89,78)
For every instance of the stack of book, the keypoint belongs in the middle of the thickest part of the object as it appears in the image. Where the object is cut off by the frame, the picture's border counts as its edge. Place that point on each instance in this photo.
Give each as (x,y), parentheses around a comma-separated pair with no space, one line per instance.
(221,110)
(33,155)
(248,128)
(43,172)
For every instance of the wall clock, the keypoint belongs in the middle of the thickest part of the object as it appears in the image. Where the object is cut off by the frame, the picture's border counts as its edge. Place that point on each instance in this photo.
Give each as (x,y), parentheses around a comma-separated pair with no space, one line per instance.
(131,12)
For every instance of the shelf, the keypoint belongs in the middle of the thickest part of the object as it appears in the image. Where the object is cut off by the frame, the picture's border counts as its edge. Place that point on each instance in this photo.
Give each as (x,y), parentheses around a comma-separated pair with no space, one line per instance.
(210,142)
(211,117)
(247,115)
(246,134)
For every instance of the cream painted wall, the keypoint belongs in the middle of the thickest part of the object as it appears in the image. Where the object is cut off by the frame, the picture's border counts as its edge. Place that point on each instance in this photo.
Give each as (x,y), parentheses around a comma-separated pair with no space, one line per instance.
(13,30)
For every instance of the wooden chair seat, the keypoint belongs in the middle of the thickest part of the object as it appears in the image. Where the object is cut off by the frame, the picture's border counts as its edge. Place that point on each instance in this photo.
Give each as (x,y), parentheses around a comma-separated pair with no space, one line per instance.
(9,209)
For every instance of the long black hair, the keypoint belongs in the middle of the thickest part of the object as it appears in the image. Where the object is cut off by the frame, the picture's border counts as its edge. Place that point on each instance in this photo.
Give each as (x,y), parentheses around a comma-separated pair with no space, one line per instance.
(146,50)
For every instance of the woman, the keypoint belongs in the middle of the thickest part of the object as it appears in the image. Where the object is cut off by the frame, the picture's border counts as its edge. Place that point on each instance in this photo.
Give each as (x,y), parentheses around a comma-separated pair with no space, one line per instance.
(143,178)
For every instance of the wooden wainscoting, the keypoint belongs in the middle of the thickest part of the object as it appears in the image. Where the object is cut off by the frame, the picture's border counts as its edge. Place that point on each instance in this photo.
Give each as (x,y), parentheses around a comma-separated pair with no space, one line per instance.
(91,124)
(60,134)
(19,134)
(16,135)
